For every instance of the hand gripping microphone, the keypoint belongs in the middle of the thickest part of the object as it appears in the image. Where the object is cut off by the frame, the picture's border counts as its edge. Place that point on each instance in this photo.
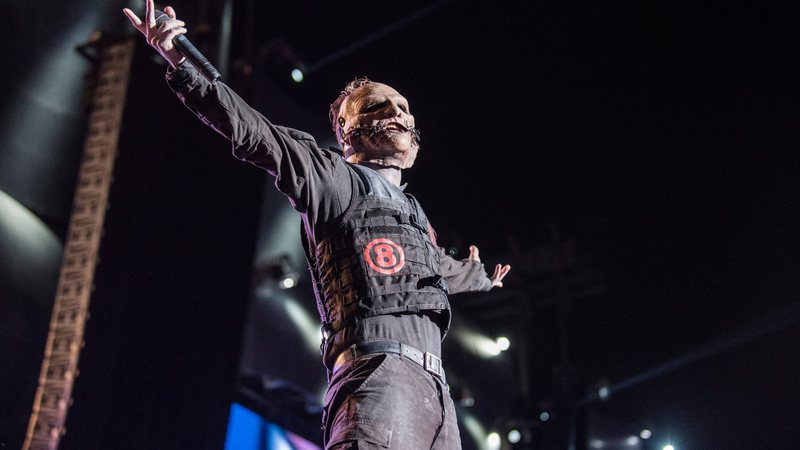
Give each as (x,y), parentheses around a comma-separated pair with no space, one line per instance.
(191,52)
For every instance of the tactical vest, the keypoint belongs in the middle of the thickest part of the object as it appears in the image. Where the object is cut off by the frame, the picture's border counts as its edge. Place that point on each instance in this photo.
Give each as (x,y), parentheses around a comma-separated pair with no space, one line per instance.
(379,258)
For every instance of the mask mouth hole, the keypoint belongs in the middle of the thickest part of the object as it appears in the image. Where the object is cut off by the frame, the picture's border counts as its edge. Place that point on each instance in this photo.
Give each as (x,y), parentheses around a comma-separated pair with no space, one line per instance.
(396,127)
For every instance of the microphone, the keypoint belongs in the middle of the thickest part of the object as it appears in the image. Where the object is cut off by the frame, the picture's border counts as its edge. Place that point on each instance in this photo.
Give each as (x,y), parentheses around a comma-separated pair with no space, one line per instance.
(191,52)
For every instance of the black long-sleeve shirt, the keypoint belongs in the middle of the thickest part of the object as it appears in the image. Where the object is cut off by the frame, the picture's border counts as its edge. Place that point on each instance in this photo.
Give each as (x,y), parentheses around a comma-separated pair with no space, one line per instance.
(317,183)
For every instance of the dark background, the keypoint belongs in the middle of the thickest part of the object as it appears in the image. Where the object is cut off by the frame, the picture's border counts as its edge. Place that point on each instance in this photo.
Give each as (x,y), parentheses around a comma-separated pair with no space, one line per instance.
(657,141)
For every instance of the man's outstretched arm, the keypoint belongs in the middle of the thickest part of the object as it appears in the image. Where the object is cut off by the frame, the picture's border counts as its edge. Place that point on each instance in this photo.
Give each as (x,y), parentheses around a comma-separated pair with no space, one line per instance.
(293,157)
(254,138)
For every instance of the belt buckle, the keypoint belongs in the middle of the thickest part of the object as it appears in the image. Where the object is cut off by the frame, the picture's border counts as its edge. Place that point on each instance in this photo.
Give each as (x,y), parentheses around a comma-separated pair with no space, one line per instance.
(433,363)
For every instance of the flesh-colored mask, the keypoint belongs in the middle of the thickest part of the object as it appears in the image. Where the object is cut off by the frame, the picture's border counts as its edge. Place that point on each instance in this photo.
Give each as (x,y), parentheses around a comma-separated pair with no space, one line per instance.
(378,127)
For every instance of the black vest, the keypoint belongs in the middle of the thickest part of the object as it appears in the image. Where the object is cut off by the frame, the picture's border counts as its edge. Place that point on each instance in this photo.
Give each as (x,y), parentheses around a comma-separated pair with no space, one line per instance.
(379,258)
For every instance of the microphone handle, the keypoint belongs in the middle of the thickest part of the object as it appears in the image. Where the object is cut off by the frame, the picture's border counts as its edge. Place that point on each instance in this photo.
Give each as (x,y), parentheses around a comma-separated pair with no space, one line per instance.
(196,58)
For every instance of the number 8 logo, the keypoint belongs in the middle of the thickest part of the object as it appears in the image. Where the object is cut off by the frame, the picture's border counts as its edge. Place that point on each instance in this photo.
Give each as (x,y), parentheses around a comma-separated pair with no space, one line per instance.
(384,256)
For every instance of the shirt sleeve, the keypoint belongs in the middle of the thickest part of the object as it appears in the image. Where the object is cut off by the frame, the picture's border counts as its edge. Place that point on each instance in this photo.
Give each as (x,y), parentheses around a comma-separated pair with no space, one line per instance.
(463,275)
(301,169)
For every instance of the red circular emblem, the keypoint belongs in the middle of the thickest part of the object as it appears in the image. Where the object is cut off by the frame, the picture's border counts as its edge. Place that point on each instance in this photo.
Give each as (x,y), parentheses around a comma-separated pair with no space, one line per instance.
(384,256)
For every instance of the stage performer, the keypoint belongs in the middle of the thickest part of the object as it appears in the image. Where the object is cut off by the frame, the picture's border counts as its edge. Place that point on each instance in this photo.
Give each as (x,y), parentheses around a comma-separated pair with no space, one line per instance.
(381,281)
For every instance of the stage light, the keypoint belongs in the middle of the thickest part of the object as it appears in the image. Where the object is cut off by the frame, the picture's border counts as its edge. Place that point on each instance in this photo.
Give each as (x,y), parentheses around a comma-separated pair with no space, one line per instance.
(603,393)
(544,416)
(281,61)
(297,75)
(632,440)
(514,436)
(493,441)
(668,447)
(487,347)
(477,343)
(288,282)
(645,434)
(596,443)
(277,270)
(503,343)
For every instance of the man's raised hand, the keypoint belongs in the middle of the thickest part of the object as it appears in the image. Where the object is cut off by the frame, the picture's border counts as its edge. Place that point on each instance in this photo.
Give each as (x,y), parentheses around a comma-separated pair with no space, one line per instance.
(500,271)
(159,36)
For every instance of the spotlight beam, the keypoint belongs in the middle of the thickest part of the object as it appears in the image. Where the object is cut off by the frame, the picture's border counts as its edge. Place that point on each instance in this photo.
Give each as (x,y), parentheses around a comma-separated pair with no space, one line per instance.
(370,38)
(775,321)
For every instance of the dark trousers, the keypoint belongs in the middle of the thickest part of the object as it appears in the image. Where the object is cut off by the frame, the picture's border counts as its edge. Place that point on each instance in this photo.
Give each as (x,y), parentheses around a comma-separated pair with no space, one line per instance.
(385,401)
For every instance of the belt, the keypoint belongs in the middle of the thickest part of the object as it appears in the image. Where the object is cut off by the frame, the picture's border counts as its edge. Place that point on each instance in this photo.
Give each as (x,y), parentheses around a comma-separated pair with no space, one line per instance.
(427,361)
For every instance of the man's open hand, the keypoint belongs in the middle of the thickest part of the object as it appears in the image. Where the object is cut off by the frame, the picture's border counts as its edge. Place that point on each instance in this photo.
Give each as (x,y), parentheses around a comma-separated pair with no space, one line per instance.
(500,271)
(159,36)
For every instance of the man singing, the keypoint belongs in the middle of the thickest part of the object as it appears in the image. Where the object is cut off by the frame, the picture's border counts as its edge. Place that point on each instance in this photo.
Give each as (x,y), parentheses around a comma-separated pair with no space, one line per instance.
(380,280)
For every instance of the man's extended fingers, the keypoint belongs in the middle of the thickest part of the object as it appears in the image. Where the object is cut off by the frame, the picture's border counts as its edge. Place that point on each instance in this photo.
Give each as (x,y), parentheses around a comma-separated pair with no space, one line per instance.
(500,271)
(497,277)
(170,11)
(150,13)
(135,20)
(474,254)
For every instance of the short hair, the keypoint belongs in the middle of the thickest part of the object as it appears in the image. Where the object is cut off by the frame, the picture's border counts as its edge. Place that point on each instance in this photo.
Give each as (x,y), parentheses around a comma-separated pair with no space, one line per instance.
(333,113)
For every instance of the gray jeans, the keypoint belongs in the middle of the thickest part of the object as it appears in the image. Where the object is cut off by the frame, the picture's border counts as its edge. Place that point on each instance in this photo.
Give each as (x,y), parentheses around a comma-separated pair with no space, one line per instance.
(385,401)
